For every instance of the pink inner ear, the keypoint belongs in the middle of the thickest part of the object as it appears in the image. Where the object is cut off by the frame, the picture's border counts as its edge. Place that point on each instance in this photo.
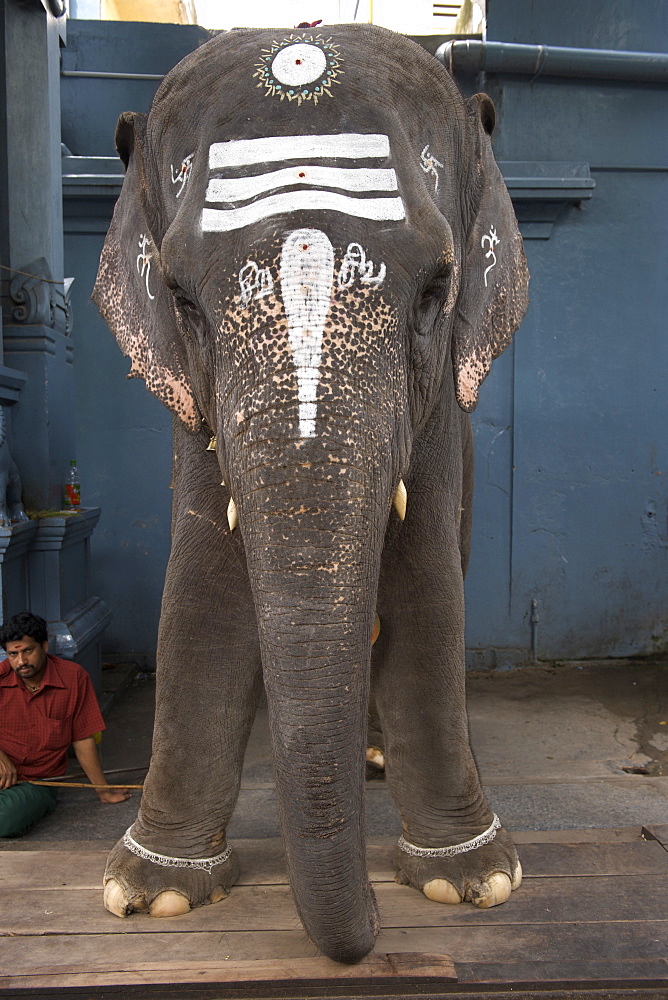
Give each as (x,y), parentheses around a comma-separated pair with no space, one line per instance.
(174,393)
(469,375)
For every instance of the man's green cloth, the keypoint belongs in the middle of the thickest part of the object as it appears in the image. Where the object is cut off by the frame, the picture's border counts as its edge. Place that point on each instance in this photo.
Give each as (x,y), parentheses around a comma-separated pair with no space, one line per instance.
(22,805)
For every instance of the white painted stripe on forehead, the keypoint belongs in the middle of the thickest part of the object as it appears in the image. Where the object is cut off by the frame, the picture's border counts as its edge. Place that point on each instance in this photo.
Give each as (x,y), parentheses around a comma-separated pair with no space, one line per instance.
(217,220)
(350,179)
(243,152)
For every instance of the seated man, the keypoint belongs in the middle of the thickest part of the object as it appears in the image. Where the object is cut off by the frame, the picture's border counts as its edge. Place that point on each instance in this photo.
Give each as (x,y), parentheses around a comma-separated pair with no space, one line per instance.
(46,703)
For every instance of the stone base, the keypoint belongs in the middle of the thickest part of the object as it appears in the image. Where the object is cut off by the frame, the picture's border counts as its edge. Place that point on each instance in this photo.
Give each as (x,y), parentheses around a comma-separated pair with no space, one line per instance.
(44,568)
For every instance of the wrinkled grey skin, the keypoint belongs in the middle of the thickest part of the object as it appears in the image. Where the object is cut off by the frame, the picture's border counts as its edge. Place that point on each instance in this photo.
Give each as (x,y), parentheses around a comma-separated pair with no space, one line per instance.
(290,595)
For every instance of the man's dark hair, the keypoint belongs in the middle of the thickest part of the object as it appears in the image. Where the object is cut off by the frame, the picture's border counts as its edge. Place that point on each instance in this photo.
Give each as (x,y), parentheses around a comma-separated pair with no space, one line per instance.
(22,624)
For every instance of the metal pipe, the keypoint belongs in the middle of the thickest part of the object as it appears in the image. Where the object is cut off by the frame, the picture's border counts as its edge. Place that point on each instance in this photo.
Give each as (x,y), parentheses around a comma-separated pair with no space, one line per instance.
(474,56)
(57,7)
(535,622)
(99,75)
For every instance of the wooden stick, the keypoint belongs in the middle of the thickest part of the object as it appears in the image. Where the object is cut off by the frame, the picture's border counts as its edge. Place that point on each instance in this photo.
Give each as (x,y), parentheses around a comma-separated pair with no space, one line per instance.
(107,770)
(78,784)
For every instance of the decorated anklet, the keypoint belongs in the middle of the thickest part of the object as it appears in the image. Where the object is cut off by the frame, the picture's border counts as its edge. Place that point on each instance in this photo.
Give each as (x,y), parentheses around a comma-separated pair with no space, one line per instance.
(449,852)
(203,864)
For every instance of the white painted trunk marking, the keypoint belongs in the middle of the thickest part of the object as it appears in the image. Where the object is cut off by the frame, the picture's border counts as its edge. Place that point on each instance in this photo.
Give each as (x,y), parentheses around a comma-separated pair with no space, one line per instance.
(215,220)
(307,278)
(351,179)
(244,152)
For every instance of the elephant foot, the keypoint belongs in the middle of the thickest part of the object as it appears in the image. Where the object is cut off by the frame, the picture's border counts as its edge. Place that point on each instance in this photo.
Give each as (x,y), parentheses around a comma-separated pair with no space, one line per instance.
(483,871)
(375,764)
(136,880)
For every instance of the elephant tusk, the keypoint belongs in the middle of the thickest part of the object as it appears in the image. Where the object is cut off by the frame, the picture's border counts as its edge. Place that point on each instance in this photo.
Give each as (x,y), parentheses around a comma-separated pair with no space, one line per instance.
(400,500)
(232,514)
(212,444)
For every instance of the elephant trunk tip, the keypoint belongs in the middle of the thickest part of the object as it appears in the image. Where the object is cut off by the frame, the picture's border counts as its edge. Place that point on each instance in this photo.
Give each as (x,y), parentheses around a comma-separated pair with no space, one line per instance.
(349,951)
(352,941)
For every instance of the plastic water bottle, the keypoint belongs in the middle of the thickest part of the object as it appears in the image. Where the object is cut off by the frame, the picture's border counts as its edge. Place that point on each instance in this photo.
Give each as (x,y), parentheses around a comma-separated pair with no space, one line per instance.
(72,488)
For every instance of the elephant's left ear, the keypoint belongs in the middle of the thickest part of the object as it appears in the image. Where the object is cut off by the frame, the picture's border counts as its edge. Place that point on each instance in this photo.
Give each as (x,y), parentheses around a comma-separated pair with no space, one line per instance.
(130,290)
(494,293)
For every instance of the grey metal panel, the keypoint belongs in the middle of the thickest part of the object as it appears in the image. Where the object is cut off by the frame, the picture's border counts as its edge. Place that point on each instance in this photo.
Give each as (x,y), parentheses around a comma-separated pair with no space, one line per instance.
(600,24)
(90,107)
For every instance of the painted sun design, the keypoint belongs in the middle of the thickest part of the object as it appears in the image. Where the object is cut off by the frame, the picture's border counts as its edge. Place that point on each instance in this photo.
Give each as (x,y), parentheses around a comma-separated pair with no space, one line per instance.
(299,68)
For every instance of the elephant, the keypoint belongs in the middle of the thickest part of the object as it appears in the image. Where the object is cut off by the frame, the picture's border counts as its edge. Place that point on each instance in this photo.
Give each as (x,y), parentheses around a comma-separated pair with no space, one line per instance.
(312,263)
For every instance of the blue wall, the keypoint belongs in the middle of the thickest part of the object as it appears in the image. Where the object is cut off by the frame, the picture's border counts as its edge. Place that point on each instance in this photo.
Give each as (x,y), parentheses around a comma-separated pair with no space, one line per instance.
(123,433)
(570,506)
(571,432)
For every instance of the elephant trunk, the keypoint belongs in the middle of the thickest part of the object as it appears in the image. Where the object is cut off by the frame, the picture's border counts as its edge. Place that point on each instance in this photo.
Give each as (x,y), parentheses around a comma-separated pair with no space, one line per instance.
(314,566)
(317,691)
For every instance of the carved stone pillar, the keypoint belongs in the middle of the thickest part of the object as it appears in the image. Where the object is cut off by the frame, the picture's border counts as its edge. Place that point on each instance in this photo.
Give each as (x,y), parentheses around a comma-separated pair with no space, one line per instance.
(33,295)
(44,565)
(37,343)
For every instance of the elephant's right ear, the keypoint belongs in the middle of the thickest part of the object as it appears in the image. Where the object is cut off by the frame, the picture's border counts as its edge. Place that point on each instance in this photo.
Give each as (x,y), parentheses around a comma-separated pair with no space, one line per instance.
(130,291)
(494,292)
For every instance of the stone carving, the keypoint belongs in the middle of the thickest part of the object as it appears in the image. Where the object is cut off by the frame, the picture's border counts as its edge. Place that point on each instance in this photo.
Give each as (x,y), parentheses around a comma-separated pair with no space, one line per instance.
(11,507)
(37,299)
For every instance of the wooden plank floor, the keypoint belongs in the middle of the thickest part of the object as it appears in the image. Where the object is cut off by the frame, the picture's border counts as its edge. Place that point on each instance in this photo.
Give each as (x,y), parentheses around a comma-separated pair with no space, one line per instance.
(593,909)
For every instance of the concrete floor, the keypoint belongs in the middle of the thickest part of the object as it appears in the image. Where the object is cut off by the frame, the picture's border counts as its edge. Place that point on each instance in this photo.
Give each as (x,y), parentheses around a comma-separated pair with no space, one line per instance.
(559,746)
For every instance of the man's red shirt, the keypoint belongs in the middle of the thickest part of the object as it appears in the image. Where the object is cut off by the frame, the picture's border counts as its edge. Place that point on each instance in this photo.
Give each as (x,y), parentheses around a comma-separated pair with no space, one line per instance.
(36,729)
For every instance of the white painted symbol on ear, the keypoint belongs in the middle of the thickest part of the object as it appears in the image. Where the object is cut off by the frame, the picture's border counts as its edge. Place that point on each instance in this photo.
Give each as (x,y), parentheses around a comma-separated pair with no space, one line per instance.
(429,164)
(254,282)
(182,175)
(491,240)
(356,263)
(144,261)
(298,64)
(307,277)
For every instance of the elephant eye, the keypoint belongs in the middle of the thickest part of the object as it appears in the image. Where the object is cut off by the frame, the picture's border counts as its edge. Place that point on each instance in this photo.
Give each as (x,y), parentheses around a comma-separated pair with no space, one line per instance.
(189,313)
(430,304)
(185,304)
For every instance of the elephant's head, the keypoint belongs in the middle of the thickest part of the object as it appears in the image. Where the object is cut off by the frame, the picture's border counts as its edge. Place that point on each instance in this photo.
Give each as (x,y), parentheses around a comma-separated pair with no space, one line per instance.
(312,249)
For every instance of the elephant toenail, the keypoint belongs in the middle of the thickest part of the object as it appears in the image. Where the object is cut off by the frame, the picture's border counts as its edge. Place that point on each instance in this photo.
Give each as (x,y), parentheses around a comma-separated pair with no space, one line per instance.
(115,899)
(517,877)
(494,891)
(441,891)
(169,904)
(217,894)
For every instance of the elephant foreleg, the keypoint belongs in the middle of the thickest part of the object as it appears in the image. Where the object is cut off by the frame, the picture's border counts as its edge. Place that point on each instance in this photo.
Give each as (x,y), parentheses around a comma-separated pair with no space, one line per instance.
(208,683)
(451,848)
